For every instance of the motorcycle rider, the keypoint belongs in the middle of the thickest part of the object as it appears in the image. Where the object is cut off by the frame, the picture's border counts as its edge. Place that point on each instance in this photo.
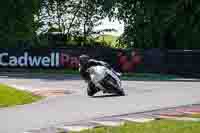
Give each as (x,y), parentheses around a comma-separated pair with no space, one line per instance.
(85,63)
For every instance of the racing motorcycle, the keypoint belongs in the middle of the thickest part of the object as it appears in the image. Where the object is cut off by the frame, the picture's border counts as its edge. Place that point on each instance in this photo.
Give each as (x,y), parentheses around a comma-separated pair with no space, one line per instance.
(106,80)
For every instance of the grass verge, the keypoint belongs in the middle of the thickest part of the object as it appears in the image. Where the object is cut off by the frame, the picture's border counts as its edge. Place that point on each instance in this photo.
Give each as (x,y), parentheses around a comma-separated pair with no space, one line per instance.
(194,115)
(42,71)
(10,96)
(125,76)
(160,126)
(148,76)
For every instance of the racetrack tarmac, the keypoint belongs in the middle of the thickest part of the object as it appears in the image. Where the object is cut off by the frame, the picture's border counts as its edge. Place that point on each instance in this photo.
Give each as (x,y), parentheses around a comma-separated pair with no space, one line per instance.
(141,96)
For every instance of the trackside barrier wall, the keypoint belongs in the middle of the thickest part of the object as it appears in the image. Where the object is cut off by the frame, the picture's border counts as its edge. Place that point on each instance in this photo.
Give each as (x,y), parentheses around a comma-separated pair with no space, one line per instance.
(129,60)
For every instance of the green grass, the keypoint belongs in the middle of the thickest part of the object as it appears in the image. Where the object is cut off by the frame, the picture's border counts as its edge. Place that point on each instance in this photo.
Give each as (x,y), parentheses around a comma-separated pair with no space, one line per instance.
(54,71)
(148,76)
(43,71)
(109,39)
(125,76)
(194,115)
(10,96)
(160,126)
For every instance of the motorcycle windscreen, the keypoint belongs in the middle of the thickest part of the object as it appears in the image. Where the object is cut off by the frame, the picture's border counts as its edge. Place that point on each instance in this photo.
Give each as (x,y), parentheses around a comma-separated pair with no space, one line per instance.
(97,73)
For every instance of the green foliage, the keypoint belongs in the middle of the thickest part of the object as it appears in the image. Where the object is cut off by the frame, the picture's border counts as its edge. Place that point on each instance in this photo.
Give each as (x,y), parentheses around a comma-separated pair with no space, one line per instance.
(109,40)
(59,40)
(73,18)
(172,24)
(159,24)
(17,21)
(59,15)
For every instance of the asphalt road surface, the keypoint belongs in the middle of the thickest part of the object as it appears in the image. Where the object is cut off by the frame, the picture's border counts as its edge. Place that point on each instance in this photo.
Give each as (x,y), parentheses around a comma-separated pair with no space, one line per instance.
(141,96)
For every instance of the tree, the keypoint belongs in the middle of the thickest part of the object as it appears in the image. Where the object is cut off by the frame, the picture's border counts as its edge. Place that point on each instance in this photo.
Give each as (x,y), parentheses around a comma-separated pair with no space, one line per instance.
(60,15)
(184,24)
(91,15)
(74,18)
(17,21)
(158,24)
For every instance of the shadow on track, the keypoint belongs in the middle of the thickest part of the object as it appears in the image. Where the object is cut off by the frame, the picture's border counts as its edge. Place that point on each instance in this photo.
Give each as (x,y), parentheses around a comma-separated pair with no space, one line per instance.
(105,96)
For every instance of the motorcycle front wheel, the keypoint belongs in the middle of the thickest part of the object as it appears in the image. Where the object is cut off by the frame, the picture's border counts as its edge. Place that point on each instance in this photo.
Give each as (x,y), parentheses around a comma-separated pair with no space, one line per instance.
(111,85)
(91,89)
(120,92)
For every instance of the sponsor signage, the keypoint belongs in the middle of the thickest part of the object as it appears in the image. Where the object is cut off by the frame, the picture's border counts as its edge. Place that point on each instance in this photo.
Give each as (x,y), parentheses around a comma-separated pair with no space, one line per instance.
(26,59)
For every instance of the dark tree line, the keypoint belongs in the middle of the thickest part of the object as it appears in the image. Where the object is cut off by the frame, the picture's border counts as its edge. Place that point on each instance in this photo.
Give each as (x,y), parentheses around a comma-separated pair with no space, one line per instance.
(172,24)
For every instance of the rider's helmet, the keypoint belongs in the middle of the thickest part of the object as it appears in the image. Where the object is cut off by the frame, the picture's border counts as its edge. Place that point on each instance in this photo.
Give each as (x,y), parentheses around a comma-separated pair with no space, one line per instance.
(84,59)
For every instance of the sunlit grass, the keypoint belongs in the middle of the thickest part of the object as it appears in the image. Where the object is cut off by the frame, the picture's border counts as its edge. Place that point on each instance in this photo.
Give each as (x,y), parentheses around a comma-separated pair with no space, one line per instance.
(159,126)
(10,96)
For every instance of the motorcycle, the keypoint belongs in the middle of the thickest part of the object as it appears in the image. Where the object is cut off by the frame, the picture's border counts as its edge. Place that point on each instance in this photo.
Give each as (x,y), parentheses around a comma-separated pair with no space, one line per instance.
(106,80)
